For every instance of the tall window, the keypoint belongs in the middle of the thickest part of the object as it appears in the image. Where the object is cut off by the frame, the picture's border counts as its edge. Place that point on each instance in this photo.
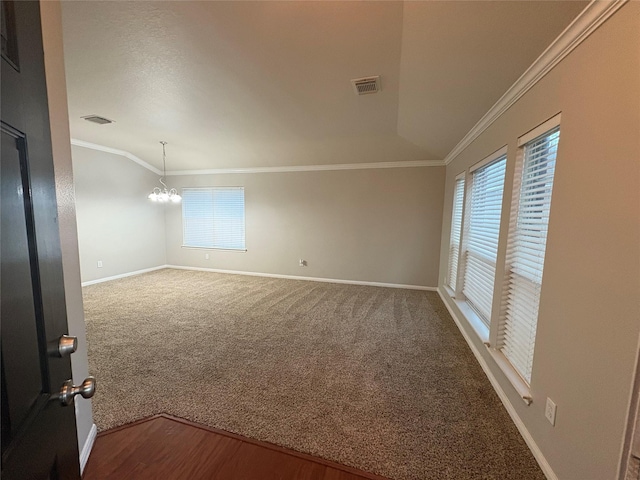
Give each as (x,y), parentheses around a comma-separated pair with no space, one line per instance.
(487,184)
(213,217)
(456,230)
(526,248)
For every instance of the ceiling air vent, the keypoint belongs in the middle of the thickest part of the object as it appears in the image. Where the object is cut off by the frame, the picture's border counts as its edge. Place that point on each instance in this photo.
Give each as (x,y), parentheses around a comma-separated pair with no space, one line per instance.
(366,85)
(97,119)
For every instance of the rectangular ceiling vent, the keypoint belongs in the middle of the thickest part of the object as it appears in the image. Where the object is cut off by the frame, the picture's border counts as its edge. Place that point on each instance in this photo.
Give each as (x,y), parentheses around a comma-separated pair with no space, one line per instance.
(366,85)
(97,119)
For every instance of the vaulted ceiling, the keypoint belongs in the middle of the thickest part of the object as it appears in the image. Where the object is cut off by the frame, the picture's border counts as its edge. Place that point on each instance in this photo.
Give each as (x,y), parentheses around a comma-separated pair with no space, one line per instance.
(267,83)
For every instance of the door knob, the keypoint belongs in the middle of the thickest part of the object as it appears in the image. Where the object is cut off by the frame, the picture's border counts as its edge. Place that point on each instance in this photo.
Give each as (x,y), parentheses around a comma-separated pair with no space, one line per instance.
(69,390)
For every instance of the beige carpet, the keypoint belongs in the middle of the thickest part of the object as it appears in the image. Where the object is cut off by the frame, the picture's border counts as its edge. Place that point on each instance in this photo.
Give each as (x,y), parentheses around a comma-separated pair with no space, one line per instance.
(375,378)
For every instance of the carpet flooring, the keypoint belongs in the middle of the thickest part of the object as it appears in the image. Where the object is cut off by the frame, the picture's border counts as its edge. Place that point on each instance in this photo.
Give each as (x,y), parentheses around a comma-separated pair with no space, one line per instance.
(375,378)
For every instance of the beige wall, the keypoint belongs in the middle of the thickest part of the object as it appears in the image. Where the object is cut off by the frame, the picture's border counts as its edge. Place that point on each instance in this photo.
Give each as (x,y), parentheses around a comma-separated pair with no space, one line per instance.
(589,318)
(117,223)
(375,225)
(59,118)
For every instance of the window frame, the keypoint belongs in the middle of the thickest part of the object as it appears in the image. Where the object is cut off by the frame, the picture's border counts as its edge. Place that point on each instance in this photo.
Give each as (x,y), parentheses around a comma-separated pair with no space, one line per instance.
(522,385)
(481,327)
(244,220)
(461,177)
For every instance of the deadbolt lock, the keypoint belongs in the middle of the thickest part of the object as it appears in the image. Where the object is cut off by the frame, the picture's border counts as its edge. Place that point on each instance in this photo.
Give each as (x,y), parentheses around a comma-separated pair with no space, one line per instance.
(67,345)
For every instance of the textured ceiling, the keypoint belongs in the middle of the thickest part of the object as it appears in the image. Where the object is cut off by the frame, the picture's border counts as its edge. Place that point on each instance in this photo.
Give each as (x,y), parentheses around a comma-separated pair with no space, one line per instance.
(255,84)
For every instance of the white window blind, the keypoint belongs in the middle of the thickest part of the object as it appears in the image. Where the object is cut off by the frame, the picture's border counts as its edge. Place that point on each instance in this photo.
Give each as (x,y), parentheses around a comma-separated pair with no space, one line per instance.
(526,249)
(213,217)
(487,184)
(456,230)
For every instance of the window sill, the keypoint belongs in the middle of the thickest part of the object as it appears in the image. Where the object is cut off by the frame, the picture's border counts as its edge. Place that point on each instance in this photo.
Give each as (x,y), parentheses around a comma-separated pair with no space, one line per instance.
(238,250)
(482,331)
(449,291)
(514,377)
(474,320)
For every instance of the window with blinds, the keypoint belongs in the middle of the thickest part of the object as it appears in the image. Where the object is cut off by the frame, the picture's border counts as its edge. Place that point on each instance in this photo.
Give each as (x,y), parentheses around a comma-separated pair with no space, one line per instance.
(213,217)
(483,229)
(526,248)
(456,231)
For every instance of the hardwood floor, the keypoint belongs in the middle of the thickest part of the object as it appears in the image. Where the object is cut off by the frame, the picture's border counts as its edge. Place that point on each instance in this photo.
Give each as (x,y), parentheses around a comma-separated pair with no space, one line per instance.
(169,448)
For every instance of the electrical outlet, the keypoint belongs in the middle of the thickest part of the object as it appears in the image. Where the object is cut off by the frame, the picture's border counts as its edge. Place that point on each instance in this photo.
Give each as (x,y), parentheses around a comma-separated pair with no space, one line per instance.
(99,263)
(206,256)
(550,411)
(303,263)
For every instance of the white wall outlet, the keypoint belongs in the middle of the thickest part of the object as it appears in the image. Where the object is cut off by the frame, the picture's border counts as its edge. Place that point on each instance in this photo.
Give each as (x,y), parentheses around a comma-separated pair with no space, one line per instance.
(206,256)
(99,263)
(550,411)
(303,263)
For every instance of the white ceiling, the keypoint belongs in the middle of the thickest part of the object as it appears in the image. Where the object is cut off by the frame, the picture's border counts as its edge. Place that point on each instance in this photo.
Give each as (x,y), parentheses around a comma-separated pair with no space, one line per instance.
(266,83)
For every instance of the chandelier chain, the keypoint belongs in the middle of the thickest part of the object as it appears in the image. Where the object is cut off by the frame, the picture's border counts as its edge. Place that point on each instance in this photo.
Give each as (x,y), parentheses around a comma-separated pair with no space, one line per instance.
(164,195)
(164,164)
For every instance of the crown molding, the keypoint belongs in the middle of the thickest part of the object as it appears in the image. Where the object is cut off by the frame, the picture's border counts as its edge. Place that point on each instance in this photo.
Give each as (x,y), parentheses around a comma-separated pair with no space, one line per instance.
(115,151)
(293,168)
(312,168)
(594,15)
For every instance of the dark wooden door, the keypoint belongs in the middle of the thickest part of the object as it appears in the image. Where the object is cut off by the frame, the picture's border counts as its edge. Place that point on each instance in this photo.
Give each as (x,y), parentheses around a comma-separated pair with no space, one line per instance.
(38,433)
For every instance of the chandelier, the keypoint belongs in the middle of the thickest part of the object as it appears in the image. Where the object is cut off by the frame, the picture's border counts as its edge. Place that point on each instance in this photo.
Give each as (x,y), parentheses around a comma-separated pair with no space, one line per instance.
(165,194)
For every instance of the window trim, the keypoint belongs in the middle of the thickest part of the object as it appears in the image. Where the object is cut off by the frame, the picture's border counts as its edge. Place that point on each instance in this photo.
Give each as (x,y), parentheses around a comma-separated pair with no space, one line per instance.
(501,152)
(538,131)
(237,250)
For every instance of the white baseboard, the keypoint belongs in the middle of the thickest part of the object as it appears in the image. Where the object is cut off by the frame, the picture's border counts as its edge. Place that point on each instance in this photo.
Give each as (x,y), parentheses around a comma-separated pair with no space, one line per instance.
(312,279)
(533,446)
(86,448)
(123,275)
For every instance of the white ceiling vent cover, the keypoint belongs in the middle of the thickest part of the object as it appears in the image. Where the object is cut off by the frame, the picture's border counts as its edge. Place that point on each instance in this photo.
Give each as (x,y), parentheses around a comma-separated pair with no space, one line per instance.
(366,85)
(97,119)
